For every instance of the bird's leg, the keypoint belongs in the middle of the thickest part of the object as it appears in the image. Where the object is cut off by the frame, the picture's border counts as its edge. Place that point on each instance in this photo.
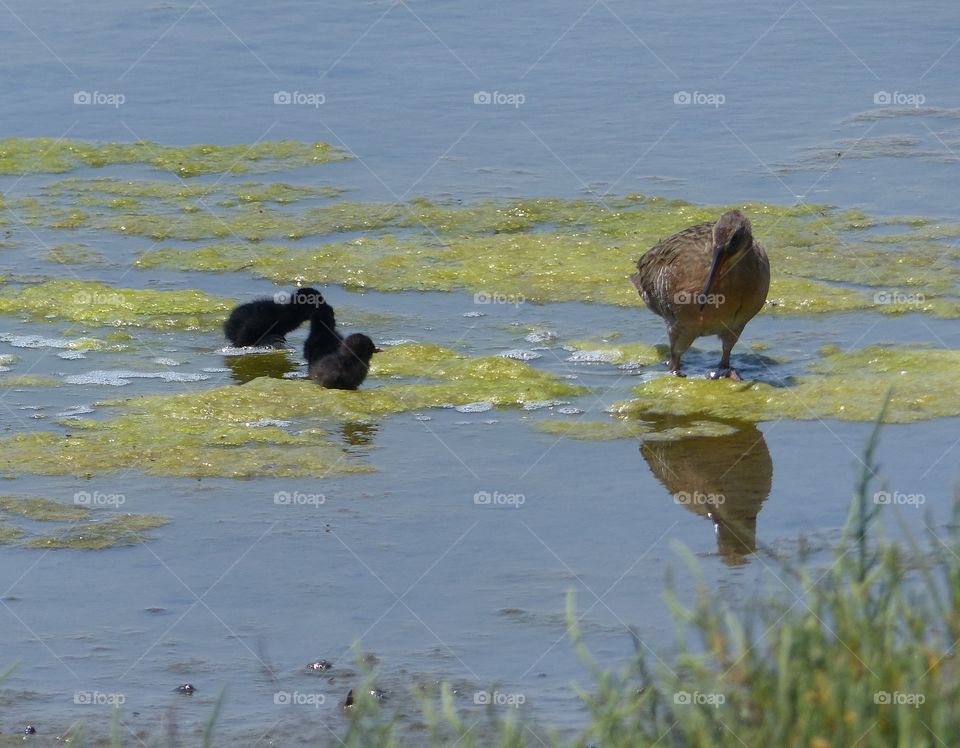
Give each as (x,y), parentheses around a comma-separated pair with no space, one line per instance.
(729,339)
(679,343)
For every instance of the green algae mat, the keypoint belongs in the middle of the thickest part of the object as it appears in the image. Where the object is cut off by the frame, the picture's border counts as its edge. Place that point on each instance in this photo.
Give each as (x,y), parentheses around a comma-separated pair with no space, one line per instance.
(66,526)
(825,261)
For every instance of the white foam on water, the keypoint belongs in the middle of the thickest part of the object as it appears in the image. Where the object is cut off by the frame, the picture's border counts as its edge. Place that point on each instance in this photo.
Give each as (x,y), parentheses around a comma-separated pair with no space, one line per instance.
(167,361)
(478,407)
(570,410)
(294,375)
(398,341)
(71,355)
(73,411)
(264,422)
(215,369)
(540,404)
(520,354)
(593,357)
(541,336)
(474,314)
(35,341)
(231,350)
(118,378)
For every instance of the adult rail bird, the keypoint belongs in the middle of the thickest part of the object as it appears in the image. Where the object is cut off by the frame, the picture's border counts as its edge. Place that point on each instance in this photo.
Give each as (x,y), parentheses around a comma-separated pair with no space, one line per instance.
(709,279)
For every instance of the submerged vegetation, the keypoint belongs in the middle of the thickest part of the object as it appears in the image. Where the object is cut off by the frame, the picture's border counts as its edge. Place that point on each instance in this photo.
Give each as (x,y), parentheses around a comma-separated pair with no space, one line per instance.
(55,156)
(860,652)
(77,527)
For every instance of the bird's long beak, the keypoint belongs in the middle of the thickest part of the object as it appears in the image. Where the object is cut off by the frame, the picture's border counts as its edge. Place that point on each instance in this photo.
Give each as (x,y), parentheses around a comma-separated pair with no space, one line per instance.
(377,350)
(712,275)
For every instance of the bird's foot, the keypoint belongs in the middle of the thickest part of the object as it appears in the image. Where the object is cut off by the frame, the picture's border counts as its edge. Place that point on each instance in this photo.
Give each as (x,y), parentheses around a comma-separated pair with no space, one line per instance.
(677,373)
(727,373)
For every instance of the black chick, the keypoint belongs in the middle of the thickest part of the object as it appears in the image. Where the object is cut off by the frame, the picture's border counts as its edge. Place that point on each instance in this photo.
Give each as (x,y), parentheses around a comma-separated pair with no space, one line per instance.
(266,322)
(323,338)
(347,367)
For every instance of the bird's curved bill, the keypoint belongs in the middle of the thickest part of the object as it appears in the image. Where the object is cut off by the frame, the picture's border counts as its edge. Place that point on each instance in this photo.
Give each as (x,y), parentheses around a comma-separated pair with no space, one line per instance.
(711,276)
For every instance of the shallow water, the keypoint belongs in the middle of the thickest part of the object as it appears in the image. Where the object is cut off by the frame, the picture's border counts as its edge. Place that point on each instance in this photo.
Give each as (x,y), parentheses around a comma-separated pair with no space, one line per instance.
(404,559)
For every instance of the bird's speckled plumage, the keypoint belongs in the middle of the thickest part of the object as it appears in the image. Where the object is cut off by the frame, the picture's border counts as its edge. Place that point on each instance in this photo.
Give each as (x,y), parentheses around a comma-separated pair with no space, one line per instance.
(672,278)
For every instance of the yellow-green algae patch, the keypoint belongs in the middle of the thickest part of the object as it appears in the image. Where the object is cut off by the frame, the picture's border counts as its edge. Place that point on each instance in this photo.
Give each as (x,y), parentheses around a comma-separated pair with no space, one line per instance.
(125,529)
(49,155)
(75,254)
(27,380)
(88,529)
(38,508)
(847,386)
(823,259)
(590,430)
(220,432)
(95,303)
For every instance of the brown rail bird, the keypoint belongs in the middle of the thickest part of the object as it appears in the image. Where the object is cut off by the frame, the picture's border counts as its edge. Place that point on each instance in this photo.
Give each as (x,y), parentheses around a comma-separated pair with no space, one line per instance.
(709,279)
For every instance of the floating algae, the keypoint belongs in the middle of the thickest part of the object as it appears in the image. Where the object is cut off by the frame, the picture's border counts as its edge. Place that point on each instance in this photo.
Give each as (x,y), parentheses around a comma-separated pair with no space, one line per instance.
(125,529)
(27,380)
(847,386)
(824,260)
(87,529)
(95,303)
(74,254)
(589,430)
(624,354)
(210,433)
(38,155)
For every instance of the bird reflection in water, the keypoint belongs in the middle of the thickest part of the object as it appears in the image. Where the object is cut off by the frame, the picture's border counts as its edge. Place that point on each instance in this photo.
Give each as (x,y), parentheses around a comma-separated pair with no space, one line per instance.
(726,478)
(356,434)
(250,366)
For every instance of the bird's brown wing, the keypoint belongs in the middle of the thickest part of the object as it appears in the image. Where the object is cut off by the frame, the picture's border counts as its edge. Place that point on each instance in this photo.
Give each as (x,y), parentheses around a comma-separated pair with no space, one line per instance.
(662,261)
